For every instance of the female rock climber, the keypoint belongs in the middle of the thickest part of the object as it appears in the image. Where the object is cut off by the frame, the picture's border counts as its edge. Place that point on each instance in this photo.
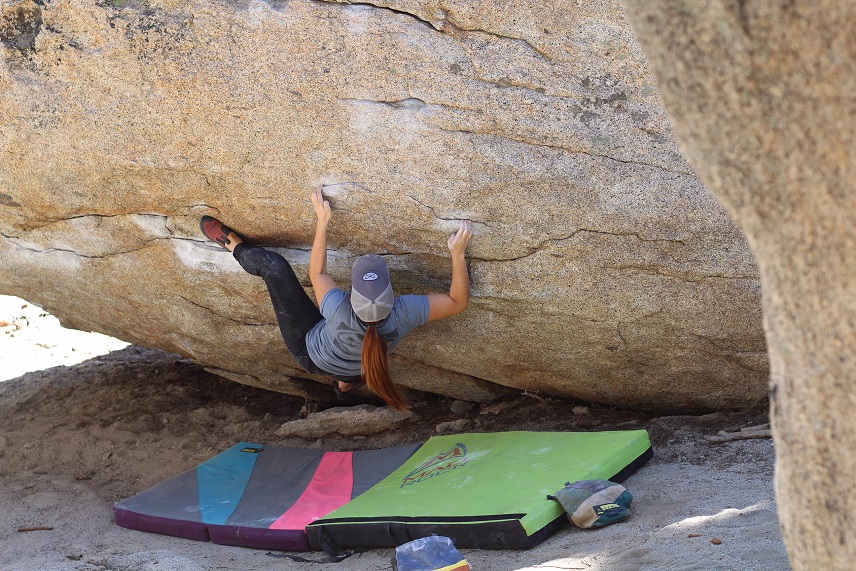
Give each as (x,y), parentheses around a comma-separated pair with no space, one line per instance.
(349,338)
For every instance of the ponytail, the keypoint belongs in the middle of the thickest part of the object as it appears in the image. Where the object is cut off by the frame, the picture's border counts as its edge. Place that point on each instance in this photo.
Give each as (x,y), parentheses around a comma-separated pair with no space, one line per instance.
(376,370)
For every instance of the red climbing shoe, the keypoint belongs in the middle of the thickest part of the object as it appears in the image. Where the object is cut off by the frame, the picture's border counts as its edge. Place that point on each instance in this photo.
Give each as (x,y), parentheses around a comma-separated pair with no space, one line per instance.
(215,230)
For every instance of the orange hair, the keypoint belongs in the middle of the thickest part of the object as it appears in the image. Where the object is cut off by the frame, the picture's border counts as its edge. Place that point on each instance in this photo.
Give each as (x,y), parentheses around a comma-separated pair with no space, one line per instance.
(376,370)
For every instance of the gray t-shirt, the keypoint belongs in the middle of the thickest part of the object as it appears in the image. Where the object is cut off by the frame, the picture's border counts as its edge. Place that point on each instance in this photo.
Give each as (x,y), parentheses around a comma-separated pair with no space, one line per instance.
(335,344)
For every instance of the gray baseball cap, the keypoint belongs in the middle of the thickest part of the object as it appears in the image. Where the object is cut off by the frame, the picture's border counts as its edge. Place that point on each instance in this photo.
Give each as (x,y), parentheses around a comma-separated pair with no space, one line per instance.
(371,290)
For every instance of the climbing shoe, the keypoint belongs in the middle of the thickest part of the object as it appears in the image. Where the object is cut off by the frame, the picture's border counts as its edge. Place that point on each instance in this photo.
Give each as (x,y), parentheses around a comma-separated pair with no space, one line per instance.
(215,230)
(346,395)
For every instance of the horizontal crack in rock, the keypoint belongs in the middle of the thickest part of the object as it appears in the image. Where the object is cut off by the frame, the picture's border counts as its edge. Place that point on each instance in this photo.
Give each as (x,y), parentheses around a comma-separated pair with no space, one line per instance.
(407,103)
(57,220)
(443,25)
(80,254)
(524,41)
(438,217)
(233,320)
(657,270)
(417,18)
(535,249)
(573,150)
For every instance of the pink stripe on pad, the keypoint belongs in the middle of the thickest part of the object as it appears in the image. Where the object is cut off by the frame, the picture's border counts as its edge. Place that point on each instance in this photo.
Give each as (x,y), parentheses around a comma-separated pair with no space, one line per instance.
(331,488)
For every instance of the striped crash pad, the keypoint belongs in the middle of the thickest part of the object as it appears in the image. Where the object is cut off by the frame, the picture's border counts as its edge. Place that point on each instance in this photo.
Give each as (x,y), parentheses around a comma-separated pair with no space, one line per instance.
(484,491)
(258,496)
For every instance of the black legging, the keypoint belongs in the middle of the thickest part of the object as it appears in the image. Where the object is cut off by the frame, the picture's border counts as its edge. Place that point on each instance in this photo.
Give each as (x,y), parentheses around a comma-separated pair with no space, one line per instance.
(295,311)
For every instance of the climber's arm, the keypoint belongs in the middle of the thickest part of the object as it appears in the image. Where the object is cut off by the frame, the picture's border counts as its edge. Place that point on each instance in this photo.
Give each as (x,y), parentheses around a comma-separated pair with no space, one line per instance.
(321,280)
(443,305)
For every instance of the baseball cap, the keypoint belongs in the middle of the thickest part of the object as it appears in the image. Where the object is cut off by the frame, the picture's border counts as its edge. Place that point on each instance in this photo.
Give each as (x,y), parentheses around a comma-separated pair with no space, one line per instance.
(371,290)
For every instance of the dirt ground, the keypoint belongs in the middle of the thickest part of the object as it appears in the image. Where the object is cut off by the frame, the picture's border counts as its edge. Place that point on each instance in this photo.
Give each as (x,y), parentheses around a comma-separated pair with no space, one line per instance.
(77,437)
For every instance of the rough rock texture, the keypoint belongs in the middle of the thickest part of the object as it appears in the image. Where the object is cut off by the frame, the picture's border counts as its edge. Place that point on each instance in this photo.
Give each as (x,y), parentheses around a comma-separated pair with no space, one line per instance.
(602,268)
(761,94)
(348,421)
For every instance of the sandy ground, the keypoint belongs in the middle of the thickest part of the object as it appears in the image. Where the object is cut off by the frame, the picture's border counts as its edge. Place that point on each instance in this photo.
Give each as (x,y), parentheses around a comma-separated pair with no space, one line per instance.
(82,427)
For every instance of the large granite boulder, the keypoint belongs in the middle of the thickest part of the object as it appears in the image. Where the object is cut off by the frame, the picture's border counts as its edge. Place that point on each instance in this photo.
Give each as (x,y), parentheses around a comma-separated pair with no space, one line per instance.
(602,268)
(761,94)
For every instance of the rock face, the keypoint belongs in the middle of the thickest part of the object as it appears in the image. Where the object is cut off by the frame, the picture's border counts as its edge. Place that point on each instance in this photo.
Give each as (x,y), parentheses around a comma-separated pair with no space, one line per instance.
(761,94)
(602,268)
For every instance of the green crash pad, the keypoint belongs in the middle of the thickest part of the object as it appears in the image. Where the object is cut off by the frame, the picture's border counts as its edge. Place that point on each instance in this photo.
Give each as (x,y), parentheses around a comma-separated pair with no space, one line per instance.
(485,491)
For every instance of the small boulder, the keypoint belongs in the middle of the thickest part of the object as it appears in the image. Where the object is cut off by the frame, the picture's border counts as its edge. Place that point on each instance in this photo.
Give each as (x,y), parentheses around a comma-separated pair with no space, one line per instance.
(461,407)
(452,426)
(347,421)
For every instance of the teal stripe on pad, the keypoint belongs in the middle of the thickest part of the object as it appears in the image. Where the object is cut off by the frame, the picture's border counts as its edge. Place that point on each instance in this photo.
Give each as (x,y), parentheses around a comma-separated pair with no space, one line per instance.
(223,479)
